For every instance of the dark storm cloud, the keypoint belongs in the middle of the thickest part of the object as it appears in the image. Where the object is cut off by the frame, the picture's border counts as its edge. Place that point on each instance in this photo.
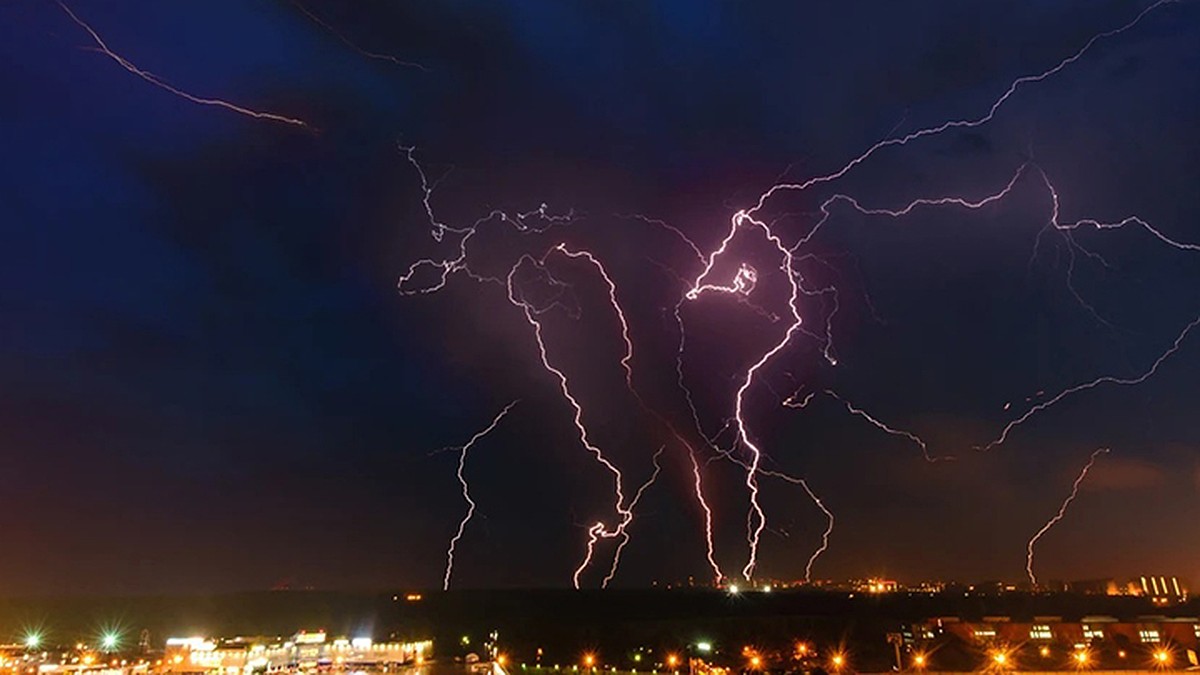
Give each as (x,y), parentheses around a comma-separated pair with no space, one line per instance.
(201,335)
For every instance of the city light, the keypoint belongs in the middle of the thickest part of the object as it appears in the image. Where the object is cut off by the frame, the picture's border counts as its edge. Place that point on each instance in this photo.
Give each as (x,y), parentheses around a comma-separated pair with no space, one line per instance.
(704,647)
(733,589)
(1001,659)
(1082,658)
(110,641)
(32,640)
(1044,651)
(838,660)
(589,660)
(755,662)
(501,659)
(672,661)
(1162,658)
(919,661)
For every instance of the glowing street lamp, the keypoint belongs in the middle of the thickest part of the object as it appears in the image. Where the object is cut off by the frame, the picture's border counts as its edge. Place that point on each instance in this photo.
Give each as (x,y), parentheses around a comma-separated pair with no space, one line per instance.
(1082,658)
(32,640)
(919,661)
(838,661)
(589,660)
(1162,658)
(110,641)
(755,662)
(672,661)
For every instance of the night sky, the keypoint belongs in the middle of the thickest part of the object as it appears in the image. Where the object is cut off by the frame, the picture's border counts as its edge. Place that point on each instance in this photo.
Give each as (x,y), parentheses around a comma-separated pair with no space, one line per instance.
(209,380)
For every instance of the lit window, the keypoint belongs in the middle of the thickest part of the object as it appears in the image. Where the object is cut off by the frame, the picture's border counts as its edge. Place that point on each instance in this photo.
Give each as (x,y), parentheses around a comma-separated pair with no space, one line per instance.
(985,633)
(1196,629)
(1093,632)
(1149,635)
(1040,631)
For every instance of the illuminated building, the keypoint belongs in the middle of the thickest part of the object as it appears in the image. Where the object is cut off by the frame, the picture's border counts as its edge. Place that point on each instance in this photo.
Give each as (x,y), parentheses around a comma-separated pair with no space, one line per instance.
(304,651)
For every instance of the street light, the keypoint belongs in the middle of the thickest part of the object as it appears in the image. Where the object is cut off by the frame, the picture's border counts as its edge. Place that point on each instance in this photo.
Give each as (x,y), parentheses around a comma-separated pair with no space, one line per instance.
(110,641)
(32,640)
(838,661)
(589,660)
(672,661)
(1162,658)
(919,661)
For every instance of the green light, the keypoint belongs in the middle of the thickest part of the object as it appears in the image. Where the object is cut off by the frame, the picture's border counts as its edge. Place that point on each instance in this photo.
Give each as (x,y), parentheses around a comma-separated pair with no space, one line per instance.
(32,640)
(110,640)
(704,646)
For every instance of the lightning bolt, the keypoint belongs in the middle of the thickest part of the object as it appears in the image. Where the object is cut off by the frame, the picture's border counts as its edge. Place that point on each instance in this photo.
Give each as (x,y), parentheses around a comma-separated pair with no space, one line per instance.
(349,43)
(624,512)
(157,81)
(624,533)
(466,492)
(626,365)
(1092,384)
(743,283)
(740,287)
(962,123)
(1062,511)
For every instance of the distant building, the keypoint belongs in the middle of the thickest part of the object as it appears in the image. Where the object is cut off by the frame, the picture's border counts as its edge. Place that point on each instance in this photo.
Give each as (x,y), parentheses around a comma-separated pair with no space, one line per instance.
(1147,631)
(304,650)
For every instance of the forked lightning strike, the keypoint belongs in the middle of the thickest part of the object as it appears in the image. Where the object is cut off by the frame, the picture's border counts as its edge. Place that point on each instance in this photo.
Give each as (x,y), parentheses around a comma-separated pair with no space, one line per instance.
(957,124)
(757,519)
(352,45)
(739,287)
(466,492)
(157,81)
(1062,511)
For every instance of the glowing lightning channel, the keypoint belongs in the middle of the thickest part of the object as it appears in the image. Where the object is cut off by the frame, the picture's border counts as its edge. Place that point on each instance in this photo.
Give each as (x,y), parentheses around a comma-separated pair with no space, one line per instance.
(162,84)
(791,402)
(626,365)
(624,534)
(462,460)
(742,285)
(349,43)
(756,519)
(829,521)
(803,483)
(623,511)
(953,124)
(1107,379)
(1062,511)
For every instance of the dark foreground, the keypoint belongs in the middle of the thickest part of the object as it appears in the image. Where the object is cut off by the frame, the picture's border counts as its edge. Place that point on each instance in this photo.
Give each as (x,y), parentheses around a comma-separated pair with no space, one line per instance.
(623,629)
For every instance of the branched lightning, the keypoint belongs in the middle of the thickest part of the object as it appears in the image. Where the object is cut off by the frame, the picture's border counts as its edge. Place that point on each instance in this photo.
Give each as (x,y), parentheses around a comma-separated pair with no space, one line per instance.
(739,286)
(742,284)
(962,123)
(1091,384)
(466,493)
(1062,511)
(624,533)
(791,402)
(157,81)
(624,512)
(352,45)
